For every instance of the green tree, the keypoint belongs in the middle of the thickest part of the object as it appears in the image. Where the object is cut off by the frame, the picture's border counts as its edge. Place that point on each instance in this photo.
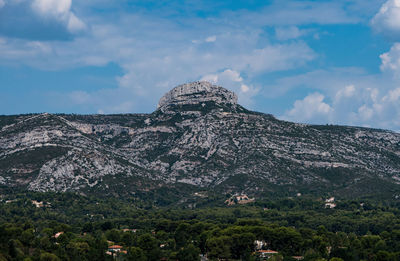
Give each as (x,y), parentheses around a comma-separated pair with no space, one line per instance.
(78,250)
(13,248)
(219,247)
(27,237)
(182,234)
(383,256)
(150,246)
(128,238)
(241,244)
(136,254)
(49,257)
(113,235)
(188,253)
(87,227)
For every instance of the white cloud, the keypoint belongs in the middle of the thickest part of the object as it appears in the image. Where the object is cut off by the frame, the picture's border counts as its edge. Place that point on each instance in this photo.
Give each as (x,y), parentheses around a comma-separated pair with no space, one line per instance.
(351,105)
(327,81)
(80,97)
(232,75)
(52,7)
(365,113)
(213,78)
(60,10)
(287,13)
(347,92)
(227,74)
(154,58)
(287,33)
(391,60)
(15,49)
(155,54)
(355,97)
(2,3)
(244,88)
(382,108)
(278,57)
(211,39)
(393,96)
(387,20)
(311,109)
(75,24)
(231,79)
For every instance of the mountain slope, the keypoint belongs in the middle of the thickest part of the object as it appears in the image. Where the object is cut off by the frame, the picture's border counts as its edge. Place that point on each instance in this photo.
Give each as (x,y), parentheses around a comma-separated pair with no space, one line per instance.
(198,136)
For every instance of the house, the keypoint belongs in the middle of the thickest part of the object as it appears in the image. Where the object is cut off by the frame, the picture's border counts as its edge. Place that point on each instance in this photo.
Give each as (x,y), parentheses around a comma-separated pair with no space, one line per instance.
(111,253)
(56,235)
(200,194)
(329,249)
(330,205)
(265,254)
(259,244)
(330,200)
(239,199)
(40,204)
(134,230)
(114,248)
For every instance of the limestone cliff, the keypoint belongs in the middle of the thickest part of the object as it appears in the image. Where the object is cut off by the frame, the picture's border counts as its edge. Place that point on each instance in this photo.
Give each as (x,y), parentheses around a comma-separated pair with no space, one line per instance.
(198,136)
(196,93)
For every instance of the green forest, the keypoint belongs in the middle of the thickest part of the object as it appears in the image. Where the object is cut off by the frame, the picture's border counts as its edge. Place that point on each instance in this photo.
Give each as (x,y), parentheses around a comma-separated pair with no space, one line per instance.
(67,226)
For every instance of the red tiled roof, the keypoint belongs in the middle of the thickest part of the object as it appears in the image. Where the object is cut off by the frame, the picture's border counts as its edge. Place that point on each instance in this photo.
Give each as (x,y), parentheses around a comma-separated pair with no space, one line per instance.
(268,251)
(115,247)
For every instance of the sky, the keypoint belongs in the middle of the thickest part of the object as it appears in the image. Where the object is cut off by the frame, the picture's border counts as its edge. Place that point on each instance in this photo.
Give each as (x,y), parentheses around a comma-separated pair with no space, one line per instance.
(317,62)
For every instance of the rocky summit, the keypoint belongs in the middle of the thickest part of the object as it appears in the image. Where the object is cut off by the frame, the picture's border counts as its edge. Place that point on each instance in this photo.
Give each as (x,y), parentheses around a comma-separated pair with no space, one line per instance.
(199,138)
(197,93)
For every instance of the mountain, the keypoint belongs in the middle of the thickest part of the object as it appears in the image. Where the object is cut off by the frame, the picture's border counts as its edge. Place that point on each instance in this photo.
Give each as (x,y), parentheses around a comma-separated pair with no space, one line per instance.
(198,139)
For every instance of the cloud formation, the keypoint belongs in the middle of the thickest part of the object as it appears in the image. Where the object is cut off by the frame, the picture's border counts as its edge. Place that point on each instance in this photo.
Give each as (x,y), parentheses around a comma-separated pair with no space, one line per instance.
(236,83)
(166,58)
(39,20)
(311,109)
(357,105)
(260,53)
(391,60)
(290,32)
(59,10)
(387,20)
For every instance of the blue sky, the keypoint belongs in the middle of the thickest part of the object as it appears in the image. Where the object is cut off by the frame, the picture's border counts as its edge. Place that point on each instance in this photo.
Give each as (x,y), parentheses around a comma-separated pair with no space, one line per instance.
(324,62)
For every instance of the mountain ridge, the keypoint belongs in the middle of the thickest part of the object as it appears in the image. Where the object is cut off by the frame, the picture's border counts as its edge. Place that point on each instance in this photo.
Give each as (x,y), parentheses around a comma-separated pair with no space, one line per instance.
(198,136)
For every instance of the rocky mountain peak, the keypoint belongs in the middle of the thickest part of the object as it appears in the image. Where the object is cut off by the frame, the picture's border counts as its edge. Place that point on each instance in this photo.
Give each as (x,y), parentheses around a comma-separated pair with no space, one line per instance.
(198,137)
(196,93)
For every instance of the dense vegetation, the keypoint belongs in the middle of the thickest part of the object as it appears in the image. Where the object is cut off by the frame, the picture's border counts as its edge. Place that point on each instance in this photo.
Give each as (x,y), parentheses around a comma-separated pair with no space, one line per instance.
(354,230)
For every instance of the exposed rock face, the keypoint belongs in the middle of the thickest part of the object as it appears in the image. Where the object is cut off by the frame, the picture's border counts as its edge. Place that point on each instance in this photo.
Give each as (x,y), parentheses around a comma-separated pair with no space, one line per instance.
(200,136)
(196,93)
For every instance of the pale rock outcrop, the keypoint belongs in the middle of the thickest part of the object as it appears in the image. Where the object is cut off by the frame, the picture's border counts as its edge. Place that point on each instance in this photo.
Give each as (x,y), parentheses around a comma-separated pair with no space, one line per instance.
(200,136)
